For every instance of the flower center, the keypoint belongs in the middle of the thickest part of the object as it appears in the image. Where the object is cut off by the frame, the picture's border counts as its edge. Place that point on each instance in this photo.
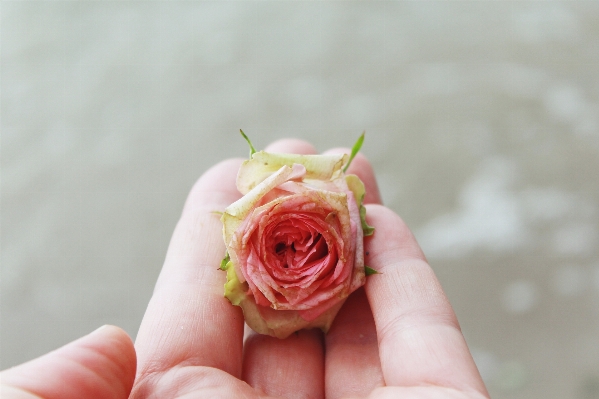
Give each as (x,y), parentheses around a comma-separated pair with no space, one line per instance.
(280,248)
(295,252)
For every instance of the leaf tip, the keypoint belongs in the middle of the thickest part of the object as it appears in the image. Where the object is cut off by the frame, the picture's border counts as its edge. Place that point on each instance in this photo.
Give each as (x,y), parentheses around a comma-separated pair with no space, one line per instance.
(252,149)
(355,149)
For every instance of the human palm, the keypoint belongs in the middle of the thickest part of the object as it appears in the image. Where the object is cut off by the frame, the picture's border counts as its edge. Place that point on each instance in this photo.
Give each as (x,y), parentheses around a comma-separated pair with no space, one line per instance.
(396,338)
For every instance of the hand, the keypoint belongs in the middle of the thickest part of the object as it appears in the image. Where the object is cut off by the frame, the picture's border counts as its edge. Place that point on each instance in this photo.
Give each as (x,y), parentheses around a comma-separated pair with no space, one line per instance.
(396,338)
(99,365)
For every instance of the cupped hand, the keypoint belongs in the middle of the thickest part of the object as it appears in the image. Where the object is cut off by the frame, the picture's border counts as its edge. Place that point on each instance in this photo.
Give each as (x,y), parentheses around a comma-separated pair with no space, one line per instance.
(398,337)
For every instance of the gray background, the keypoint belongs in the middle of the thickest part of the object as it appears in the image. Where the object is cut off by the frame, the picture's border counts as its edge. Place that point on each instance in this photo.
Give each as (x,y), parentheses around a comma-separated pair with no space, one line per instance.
(482,122)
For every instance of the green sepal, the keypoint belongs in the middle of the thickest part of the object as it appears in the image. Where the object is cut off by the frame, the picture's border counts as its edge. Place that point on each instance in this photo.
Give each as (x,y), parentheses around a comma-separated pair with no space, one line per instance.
(354,151)
(357,187)
(366,228)
(234,289)
(224,264)
(370,271)
(252,149)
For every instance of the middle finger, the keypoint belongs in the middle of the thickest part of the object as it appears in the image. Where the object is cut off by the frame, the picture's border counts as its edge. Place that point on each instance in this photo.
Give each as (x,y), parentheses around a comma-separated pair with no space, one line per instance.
(293,367)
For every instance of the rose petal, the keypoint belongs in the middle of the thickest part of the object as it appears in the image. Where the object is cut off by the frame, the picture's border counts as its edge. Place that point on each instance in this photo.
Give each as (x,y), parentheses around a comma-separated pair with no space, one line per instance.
(263,164)
(296,239)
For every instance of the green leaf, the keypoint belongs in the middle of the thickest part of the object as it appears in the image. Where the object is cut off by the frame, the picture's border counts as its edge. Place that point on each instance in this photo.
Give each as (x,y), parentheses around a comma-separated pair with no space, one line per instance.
(370,271)
(252,149)
(366,228)
(355,150)
(224,263)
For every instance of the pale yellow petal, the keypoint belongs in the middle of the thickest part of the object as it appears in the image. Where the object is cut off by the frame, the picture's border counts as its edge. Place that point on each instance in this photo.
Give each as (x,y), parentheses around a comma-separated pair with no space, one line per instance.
(356,186)
(263,164)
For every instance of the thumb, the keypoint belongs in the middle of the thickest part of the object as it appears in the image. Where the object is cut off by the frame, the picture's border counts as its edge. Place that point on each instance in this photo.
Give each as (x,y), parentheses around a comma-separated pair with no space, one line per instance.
(99,365)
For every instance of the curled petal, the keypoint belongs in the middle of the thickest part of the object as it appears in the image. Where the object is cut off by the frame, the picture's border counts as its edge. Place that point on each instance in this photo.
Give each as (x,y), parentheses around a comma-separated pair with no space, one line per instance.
(264,164)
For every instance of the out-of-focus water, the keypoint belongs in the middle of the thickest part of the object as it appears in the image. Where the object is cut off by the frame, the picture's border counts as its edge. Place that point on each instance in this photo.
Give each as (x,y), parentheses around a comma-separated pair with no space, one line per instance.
(482,123)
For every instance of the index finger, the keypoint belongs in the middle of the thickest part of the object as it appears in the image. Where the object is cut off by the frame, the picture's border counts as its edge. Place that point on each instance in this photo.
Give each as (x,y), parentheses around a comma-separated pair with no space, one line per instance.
(188,321)
(420,341)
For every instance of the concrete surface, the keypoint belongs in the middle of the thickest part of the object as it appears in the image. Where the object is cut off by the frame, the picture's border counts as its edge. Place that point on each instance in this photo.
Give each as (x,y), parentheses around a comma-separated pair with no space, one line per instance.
(482,122)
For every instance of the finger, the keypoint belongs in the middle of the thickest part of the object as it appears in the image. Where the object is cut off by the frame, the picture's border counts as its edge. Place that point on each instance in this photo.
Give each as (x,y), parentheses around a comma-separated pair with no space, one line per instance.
(291,146)
(288,368)
(424,392)
(292,367)
(188,321)
(420,342)
(352,361)
(361,167)
(352,365)
(99,365)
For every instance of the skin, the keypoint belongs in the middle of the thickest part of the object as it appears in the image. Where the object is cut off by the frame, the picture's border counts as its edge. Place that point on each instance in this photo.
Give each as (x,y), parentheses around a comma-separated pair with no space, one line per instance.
(397,337)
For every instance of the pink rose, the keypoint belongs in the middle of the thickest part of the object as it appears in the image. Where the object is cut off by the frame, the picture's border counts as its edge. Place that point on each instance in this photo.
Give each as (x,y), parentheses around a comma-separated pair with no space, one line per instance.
(294,241)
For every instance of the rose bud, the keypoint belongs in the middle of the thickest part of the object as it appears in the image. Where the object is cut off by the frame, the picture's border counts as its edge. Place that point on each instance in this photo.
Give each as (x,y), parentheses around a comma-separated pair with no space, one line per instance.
(294,240)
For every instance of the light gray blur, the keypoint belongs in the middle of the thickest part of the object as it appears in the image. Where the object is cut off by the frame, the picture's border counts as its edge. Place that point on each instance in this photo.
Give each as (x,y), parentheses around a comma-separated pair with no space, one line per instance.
(481,120)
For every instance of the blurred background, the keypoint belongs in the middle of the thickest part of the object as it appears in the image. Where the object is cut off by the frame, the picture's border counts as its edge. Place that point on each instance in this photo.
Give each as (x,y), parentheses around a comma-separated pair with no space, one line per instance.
(481,120)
